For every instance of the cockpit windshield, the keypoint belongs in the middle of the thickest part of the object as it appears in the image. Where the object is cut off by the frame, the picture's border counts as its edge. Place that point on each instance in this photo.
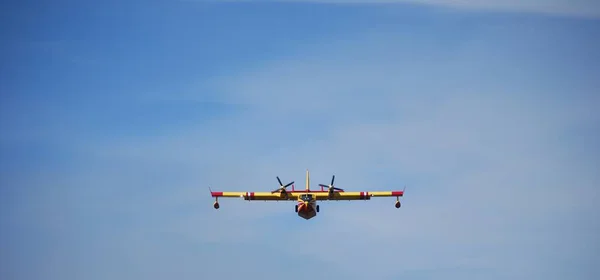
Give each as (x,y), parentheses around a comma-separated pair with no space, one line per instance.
(306,197)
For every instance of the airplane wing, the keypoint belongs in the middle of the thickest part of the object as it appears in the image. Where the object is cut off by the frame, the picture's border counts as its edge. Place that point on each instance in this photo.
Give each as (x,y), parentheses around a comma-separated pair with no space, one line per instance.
(359,195)
(264,196)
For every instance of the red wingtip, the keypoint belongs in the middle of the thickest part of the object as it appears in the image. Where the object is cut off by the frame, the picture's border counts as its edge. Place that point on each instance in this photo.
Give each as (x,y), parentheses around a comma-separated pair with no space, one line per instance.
(398,193)
(216,194)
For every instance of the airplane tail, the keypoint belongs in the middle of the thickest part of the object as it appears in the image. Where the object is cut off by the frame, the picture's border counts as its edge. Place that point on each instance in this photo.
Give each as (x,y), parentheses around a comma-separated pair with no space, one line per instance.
(307,181)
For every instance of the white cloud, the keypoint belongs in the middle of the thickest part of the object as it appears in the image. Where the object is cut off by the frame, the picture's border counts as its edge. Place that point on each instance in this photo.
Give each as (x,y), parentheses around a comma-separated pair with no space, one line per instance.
(493,176)
(579,8)
(489,177)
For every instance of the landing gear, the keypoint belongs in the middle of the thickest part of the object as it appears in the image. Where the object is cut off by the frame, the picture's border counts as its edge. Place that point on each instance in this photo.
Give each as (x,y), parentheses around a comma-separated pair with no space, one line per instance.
(317,208)
(216,204)
(296,208)
(397,203)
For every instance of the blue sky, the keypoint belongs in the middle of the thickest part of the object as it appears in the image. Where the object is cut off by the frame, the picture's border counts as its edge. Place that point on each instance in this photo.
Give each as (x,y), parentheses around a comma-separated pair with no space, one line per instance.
(117,117)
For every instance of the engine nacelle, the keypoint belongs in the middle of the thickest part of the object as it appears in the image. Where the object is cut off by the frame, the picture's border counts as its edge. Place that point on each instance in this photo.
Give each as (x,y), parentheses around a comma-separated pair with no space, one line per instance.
(216,205)
(397,204)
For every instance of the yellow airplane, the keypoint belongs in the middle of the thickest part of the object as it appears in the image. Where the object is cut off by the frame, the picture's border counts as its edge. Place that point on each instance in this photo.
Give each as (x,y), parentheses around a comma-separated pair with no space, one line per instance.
(306,199)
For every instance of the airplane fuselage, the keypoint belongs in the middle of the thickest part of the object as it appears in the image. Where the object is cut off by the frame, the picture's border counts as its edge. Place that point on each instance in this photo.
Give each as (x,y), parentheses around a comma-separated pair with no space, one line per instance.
(307,210)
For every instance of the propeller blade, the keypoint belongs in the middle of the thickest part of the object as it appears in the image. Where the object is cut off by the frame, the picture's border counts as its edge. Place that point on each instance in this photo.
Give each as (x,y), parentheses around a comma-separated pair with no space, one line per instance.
(331,187)
(281,186)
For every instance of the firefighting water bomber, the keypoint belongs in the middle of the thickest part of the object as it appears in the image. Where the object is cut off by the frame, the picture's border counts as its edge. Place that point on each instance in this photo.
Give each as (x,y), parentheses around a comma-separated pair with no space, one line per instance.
(306,200)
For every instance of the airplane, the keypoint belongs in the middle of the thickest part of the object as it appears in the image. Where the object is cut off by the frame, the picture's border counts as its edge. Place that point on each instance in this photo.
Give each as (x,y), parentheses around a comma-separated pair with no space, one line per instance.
(306,199)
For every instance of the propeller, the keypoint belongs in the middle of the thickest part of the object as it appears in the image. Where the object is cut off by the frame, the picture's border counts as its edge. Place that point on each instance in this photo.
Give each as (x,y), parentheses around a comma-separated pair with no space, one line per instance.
(282,187)
(330,186)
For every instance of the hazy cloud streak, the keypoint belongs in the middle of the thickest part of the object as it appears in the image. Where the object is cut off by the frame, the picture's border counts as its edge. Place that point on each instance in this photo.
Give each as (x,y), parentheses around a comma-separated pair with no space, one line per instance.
(577,8)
